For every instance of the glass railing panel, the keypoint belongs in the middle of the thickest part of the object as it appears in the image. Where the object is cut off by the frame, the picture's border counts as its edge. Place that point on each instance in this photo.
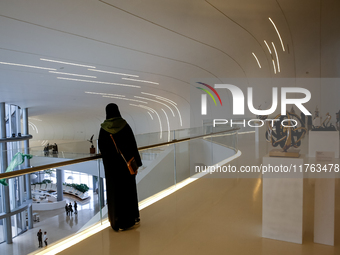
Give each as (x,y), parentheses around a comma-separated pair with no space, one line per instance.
(67,151)
(211,150)
(228,139)
(165,136)
(182,161)
(157,172)
(82,184)
(152,138)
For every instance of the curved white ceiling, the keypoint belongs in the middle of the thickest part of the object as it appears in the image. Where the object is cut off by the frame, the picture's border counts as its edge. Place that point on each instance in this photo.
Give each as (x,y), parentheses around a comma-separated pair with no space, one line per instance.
(168,42)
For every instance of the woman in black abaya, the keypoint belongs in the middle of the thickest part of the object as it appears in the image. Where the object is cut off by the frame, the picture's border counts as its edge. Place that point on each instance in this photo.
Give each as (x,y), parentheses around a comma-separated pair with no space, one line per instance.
(121,188)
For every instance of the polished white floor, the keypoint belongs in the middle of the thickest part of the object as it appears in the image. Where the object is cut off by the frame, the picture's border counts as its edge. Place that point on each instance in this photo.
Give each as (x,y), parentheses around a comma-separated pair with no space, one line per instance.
(213,216)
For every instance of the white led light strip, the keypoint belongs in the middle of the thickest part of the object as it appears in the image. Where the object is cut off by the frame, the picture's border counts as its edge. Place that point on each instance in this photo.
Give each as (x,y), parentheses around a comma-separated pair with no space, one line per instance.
(278,33)
(268,47)
(153,111)
(102,71)
(66,63)
(258,62)
(173,114)
(34,127)
(150,115)
(168,101)
(271,55)
(164,98)
(36,67)
(277,58)
(103,94)
(99,82)
(167,119)
(127,99)
(274,66)
(179,114)
(73,74)
(141,81)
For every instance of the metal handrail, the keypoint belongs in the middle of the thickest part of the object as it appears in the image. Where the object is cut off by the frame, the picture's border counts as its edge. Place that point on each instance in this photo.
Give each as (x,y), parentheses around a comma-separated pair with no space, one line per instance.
(98,156)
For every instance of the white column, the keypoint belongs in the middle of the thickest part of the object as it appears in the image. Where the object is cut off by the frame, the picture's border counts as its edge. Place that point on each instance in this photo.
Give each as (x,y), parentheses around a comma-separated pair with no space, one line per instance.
(60,178)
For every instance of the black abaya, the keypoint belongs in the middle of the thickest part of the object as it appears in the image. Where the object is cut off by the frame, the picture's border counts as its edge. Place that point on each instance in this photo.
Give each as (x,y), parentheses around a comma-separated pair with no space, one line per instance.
(120,184)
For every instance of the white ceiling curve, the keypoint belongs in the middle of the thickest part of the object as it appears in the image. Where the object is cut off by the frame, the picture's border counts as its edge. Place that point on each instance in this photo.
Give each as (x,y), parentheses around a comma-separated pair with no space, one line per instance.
(167,42)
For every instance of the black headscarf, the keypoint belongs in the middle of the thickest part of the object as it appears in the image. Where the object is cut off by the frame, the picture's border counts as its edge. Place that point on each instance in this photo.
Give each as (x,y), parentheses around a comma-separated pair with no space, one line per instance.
(112,111)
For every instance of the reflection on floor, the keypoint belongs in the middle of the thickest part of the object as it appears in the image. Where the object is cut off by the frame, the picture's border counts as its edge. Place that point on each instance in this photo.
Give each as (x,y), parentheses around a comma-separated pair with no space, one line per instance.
(212,216)
(55,223)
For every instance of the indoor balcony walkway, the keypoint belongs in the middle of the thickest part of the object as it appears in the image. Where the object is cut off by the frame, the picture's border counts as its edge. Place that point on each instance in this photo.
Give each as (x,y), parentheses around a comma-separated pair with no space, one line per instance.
(212,216)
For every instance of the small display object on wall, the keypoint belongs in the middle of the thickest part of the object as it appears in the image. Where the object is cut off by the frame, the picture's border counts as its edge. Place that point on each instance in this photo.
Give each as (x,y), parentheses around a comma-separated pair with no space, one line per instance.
(287,132)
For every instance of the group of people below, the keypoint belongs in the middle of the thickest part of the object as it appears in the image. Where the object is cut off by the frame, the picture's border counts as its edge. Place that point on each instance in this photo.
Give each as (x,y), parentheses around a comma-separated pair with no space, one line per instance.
(48,147)
(41,238)
(69,209)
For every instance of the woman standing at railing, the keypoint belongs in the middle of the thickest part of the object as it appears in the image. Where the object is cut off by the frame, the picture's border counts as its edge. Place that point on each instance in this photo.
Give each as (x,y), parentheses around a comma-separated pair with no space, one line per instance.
(121,187)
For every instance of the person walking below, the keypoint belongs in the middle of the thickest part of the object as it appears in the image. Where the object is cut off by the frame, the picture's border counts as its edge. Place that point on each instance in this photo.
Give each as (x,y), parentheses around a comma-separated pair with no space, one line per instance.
(70,208)
(67,210)
(40,238)
(45,238)
(75,207)
(121,188)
